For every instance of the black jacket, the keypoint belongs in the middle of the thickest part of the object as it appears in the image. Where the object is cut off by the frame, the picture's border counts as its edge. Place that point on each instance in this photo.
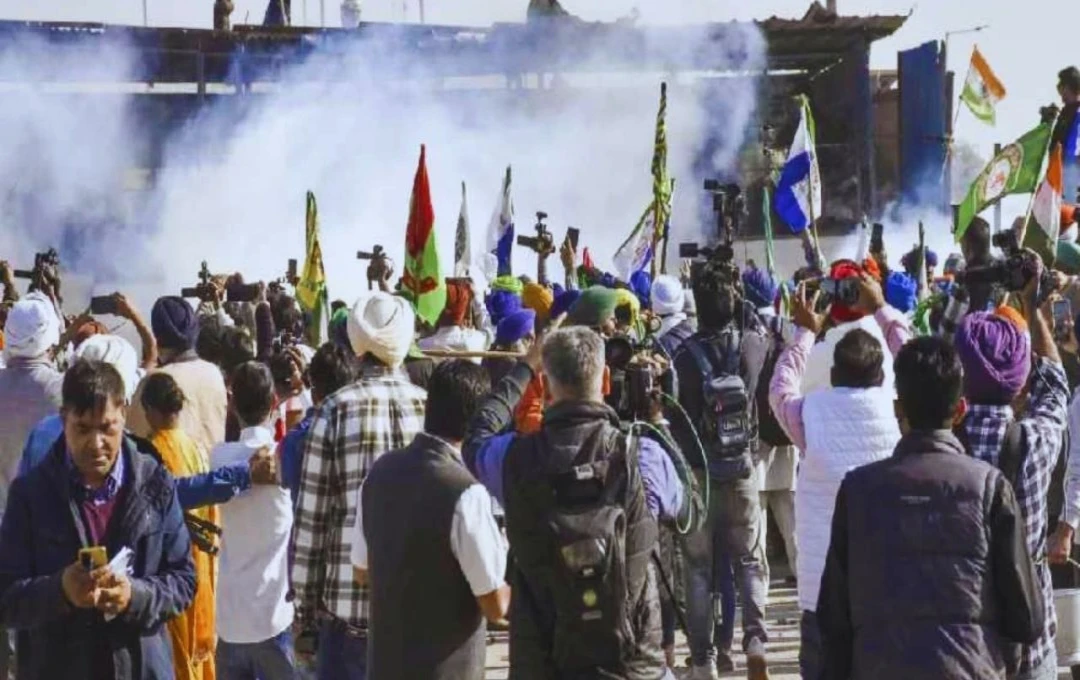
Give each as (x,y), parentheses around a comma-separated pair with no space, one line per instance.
(927,574)
(411,495)
(38,539)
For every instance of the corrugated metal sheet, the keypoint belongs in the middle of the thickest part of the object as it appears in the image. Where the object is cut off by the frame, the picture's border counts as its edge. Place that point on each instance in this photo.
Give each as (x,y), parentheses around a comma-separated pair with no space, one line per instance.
(923,124)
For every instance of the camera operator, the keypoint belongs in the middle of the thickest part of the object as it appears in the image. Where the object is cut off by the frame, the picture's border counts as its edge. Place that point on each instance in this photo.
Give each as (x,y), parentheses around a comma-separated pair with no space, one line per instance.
(975,245)
(669,303)
(718,369)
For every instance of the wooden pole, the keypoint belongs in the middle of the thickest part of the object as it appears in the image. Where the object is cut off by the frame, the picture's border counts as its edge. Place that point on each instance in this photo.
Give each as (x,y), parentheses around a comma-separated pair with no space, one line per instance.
(464,354)
(997,206)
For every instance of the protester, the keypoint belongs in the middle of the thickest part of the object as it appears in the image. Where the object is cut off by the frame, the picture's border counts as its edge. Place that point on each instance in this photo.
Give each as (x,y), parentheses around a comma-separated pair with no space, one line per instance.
(515,333)
(380,412)
(76,622)
(426,540)
(293,397)
(1066,130)
(255,612)
(728,351)
(192,633)
(595,309)
(998,358)
(539,299)
(30,384)
(931,540)
(975,246)
(846,426)
(176,328)
(451,332)
(668,302)
(562,489)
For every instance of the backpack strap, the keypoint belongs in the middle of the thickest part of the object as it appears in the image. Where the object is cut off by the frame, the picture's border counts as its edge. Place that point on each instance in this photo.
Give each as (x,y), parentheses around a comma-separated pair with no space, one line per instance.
(693,345)
(1011,458)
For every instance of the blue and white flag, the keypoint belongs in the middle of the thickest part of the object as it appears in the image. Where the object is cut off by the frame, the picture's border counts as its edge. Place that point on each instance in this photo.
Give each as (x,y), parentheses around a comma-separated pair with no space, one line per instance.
(798,193)
(636,252)
(500,239)
(1072,141)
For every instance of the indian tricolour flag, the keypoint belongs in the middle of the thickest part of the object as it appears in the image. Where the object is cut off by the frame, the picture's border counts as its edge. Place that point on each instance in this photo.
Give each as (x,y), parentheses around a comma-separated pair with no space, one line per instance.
(1045,224)
(982,89)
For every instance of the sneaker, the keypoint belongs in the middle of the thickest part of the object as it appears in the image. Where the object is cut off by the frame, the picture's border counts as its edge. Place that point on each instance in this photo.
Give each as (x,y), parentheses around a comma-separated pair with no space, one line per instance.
(724,662)
(706,672)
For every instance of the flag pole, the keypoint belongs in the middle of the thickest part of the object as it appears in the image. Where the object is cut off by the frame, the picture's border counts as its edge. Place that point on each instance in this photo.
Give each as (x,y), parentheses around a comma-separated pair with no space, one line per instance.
(667,235)
(952,130)
(1042,177)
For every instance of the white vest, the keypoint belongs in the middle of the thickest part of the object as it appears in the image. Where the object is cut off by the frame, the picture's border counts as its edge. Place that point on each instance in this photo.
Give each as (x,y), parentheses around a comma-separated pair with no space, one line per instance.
(819,363)
(845,428)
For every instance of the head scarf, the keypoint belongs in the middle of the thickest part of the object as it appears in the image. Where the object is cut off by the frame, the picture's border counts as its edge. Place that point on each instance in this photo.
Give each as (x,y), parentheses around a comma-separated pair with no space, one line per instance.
(901,291)
(759,287)
(840,313)
(500,303)
(382,325)
(458,297)
(175,324)
(996,356)
(338,328)
(594,307)
(112,349)
(32,328)
(563,302)
(668,296)
(515,327)
(870,266)
(538,299)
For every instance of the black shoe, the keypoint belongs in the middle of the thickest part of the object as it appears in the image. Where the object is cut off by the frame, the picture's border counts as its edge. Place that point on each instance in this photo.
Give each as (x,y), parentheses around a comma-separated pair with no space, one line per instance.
(724,662)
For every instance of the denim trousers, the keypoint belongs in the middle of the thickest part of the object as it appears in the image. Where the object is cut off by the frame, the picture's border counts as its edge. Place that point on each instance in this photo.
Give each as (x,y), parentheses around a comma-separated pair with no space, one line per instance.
(267,660)
(342,654)
(811,654)
(733,528)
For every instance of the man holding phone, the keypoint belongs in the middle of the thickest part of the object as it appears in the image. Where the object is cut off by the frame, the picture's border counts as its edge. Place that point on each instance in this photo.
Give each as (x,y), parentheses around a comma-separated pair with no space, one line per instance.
(94,495)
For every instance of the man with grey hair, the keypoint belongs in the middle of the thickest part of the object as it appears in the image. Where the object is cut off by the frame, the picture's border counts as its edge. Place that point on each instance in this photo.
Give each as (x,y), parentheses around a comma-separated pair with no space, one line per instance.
(581,499)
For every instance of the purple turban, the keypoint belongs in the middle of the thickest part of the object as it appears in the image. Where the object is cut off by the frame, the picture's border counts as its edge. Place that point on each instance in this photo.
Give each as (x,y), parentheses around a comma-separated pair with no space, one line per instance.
(175,324)
(514,327)
(996,356)
(565,300)
(501,303)
(759,286)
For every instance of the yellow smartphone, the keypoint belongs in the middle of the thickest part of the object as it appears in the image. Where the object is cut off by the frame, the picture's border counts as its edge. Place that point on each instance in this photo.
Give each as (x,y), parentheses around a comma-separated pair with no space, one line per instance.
(94,557)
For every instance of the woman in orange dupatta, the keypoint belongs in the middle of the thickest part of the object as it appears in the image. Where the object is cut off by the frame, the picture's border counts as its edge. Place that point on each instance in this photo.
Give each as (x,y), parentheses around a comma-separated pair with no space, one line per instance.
(193,633)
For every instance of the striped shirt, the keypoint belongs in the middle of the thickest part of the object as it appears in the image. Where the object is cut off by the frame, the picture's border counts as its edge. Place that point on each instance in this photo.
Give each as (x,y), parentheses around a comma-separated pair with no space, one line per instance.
(1043,429)
(381,412)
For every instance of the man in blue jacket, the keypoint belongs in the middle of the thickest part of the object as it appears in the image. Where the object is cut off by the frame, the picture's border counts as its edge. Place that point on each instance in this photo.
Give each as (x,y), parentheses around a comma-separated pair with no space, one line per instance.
(94,489)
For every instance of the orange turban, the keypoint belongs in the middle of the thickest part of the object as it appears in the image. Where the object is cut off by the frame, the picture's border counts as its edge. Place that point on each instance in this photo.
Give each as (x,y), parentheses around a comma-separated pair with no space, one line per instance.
(539,299)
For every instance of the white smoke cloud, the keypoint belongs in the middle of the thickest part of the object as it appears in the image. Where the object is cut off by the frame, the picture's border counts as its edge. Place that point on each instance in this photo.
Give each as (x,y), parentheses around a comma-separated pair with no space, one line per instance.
(232,182)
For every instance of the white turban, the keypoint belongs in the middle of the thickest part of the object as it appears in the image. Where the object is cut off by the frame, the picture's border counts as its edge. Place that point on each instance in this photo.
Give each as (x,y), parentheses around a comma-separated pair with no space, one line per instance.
(667,295)
(118,352)
(32,327)
(384,325)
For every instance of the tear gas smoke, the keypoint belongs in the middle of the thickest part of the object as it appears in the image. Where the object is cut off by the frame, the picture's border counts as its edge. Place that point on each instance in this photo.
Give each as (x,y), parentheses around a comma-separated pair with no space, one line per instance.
(230,184)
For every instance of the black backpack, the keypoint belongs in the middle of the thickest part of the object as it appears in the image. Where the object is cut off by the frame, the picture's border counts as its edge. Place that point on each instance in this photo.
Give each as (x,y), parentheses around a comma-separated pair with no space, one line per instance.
(590,583)
(725,425)
(769,430)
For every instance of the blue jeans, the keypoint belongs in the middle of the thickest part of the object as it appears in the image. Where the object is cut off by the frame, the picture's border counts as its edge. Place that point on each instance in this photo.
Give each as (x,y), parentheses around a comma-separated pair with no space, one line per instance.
(810,651)
(342,655)
(724,590)
(6,642)
(733,529)
(267,660)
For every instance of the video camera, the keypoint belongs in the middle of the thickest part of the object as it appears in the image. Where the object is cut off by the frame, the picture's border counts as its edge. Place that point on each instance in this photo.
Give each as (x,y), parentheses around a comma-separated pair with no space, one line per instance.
(42,261)
(205,291)
(730,209)
(292,277)
(543,243)
(1013,272)
(635,376)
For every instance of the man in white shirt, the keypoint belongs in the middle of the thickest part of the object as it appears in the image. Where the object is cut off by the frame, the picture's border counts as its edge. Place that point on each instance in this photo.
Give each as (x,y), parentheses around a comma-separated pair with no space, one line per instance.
(426,540)
(254,614)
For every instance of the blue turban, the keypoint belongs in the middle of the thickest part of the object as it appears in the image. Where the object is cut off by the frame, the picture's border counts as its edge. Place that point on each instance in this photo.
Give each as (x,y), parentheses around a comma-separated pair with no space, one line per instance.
(501,303)
(641,285)
(515,326)
(901,291)
(759,287)
(175,324)
(565,300)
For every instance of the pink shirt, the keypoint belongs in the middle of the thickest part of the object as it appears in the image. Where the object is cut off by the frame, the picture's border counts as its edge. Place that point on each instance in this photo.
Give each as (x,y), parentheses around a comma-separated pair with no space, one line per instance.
(784,393)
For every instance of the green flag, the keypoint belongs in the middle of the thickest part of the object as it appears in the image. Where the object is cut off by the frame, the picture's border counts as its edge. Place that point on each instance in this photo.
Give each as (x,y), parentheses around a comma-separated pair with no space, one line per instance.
(311,288)
(1013,171)
(422,284)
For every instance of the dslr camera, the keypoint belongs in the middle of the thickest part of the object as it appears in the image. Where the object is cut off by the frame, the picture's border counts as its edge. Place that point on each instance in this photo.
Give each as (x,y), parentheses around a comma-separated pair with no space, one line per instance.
(1014,271)
(543,243)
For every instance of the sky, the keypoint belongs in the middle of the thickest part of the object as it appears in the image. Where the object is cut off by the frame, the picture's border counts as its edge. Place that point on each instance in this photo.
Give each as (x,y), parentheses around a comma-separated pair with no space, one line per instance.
(1018,41)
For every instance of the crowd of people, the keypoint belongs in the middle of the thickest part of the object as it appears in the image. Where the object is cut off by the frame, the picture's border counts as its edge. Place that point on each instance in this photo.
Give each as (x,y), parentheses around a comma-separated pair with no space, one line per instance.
(589,465)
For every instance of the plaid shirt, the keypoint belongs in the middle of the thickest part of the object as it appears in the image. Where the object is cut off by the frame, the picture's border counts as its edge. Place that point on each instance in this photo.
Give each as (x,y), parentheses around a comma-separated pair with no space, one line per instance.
(1043,429)
(381,412)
